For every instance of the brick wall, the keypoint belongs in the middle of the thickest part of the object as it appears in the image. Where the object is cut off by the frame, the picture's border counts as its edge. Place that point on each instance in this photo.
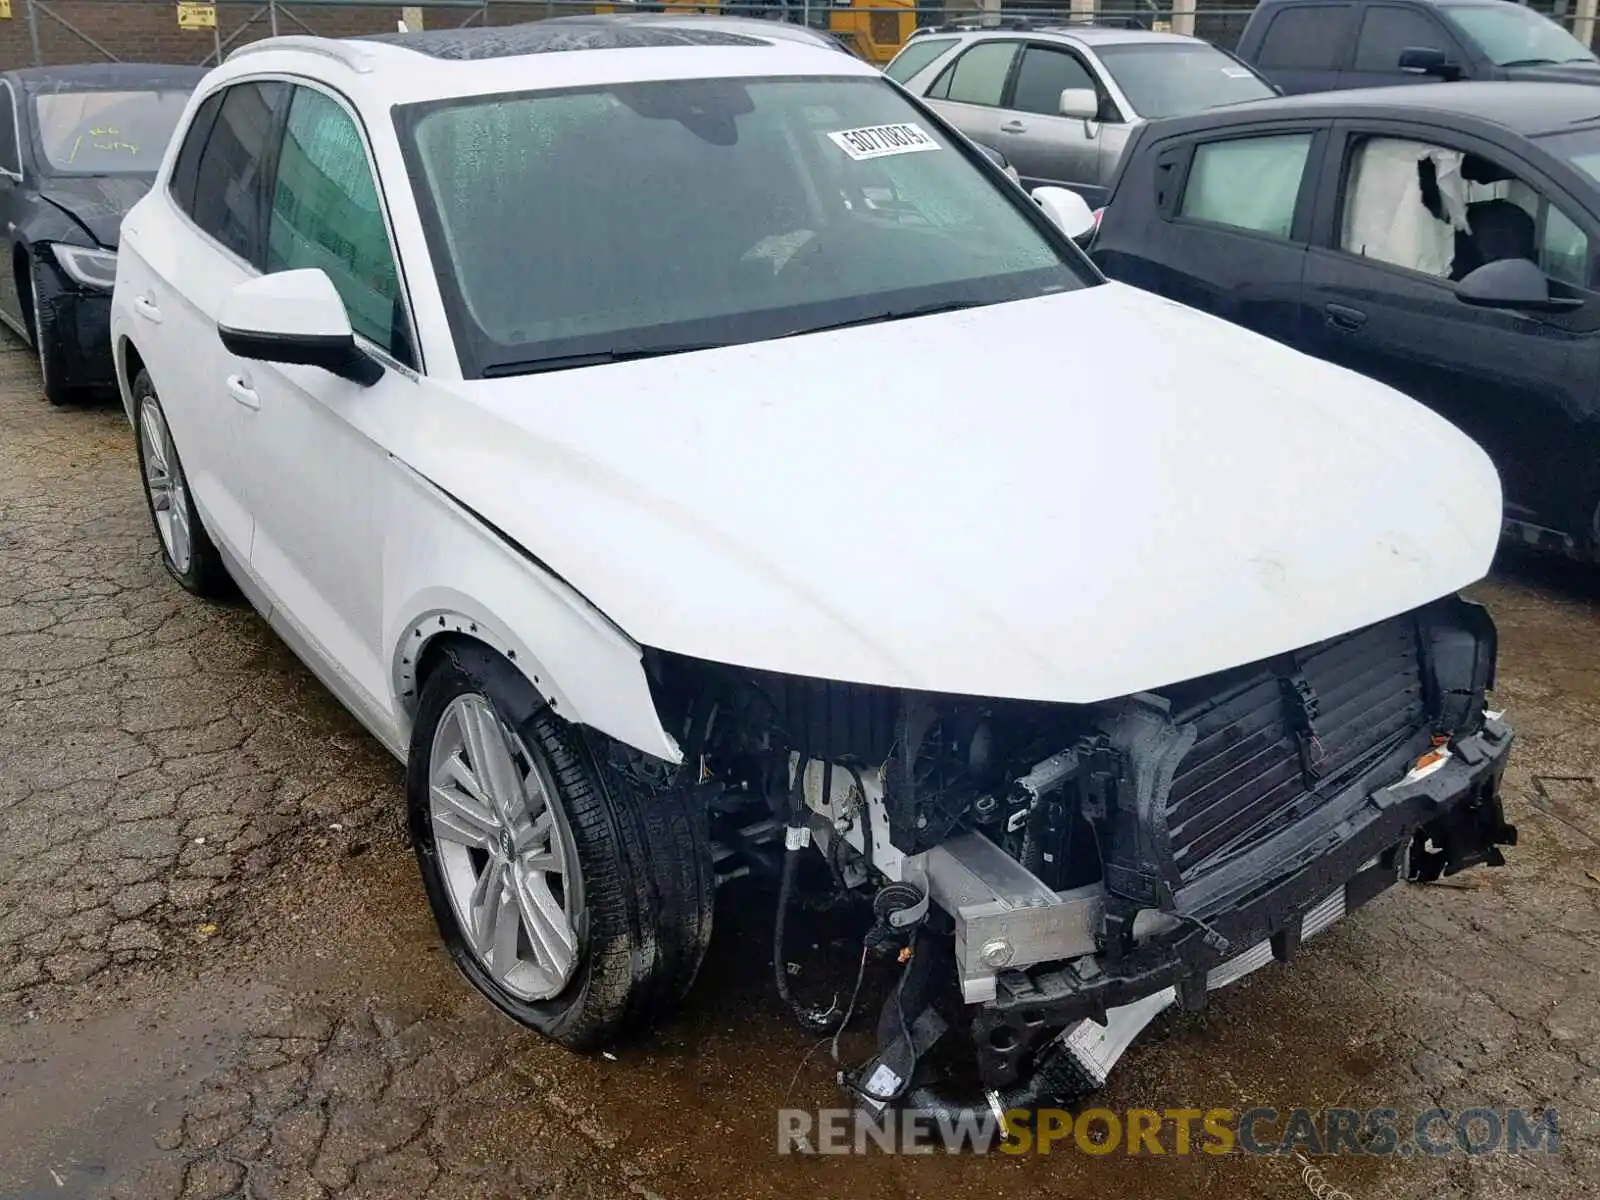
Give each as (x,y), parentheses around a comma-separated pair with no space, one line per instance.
(147,30)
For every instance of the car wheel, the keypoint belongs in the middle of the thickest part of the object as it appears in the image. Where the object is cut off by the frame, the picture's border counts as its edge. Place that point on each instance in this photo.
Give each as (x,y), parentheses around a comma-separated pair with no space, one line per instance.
(186,549)
(43,290)
(575,897)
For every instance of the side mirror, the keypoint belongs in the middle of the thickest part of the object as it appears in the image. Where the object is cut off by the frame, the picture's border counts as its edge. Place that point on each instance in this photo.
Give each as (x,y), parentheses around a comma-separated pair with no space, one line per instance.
(1083,103)
(998,160)
(295,317)
(1066,209)
(1512,283)
(1425,60)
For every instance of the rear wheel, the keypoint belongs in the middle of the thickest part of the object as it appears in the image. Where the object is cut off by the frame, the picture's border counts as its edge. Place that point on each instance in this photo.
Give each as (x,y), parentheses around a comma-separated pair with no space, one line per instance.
(186,549)
(577,900)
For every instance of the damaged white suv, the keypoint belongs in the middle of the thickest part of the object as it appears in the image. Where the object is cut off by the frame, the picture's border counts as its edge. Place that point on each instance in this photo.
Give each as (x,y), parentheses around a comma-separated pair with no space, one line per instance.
(692,457)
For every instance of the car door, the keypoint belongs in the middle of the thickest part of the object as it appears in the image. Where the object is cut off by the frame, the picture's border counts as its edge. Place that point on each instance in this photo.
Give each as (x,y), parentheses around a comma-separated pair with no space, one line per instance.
(1389,29)
(10,199)
(1380,298)
(1221,222)
(180,256)
(1044,146)
(313,477)
(1306,48)
(969,91)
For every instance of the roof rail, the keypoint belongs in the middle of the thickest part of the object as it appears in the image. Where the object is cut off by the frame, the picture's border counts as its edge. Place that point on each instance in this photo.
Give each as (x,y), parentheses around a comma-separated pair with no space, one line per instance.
(337,49)
(1029,24)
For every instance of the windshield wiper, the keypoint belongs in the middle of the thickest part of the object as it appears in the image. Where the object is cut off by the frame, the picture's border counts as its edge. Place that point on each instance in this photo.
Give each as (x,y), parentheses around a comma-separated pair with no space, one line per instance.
(899,314)
(1531,62)
(593,358)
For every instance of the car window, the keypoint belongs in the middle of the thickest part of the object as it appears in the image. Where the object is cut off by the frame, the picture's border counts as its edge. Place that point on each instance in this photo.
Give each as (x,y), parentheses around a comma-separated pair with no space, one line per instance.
(326,213)
(1307,38)
(228,181)
(1172,79)
(1385,32)
(186,167)
(1044,74)
(1249,183)
(10,160)
(707,211)
(979,75)
(1512,35)
(1443,213)
(918,53)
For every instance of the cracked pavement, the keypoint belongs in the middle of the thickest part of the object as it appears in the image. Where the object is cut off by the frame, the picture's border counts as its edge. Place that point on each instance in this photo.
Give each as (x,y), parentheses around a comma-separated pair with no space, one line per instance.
(218,976)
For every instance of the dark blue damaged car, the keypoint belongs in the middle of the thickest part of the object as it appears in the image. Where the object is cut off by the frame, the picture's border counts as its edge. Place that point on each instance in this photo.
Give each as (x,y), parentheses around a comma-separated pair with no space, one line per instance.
(78,146)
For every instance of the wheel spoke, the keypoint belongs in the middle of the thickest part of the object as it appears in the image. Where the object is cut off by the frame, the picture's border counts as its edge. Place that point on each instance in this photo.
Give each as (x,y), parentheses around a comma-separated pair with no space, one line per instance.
(180,537)
(549,931)
(155,445)
(454,772)
(490,757)
(531,835)
(460,818)
(485,906)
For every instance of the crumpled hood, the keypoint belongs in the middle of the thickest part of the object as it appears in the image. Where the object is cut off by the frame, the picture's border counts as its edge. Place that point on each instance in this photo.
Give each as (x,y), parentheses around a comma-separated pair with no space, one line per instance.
(1067,499)
(97,202)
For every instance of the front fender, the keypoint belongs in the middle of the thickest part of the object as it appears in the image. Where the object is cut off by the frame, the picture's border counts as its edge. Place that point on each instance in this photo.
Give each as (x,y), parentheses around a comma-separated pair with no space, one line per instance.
(578,661)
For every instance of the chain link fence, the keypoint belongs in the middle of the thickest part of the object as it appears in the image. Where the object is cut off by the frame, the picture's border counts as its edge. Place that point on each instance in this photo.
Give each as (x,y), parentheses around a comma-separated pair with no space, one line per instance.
(56,32)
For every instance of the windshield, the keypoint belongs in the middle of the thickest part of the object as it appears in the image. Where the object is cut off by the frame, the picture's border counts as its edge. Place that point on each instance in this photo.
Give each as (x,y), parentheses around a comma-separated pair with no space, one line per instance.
(651,217)
(106,133)
(1511,35)
(1171,79)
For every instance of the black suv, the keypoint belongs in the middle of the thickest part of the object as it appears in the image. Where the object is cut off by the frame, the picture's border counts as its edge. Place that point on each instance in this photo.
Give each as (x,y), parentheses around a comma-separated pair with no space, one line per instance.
(1324,45)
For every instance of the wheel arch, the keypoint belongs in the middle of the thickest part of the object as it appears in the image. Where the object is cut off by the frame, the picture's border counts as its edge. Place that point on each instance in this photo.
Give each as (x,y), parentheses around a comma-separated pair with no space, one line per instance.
(590,679)
(20,260)
(128,363)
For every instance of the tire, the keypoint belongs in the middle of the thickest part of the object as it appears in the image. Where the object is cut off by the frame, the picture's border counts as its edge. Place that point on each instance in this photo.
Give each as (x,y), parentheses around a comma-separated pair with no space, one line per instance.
(636,884)
(193,559)
(43,289)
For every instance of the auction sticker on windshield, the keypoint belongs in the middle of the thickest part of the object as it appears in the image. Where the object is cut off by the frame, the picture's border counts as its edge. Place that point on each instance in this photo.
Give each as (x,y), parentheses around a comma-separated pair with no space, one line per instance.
(880,141)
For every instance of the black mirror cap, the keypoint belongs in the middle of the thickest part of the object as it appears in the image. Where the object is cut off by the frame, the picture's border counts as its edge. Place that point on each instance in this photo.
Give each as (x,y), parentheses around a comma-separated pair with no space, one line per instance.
(993,155)
(1512,283)
(1427,60)
(338,355)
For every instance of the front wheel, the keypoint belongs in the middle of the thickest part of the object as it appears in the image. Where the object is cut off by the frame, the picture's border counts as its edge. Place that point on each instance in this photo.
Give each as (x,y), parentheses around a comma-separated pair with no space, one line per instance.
(575,899)
(186,548)
(47,336)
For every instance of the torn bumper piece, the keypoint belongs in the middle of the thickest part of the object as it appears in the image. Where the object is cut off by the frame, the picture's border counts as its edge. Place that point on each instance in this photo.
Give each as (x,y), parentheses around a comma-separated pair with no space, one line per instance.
(1440,818)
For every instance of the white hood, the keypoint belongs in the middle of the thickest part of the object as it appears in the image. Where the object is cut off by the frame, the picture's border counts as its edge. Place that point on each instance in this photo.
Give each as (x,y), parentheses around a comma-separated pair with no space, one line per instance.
(1067,499)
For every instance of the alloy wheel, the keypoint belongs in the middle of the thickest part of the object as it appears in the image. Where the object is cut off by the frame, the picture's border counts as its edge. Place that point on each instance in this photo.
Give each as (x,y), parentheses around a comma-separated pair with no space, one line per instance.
(504,850)
(163,479)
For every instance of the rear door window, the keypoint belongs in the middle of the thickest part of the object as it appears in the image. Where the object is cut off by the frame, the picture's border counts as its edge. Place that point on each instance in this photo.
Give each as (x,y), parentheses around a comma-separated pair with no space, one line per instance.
(1386,31)
(1044,74)
(1250,183)
(1309,37)
(916,55)
(978,76)
(230,180)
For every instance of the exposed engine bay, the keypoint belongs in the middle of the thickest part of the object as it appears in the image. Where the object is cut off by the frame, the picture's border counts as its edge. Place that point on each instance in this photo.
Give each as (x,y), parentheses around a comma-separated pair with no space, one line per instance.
(1048,877)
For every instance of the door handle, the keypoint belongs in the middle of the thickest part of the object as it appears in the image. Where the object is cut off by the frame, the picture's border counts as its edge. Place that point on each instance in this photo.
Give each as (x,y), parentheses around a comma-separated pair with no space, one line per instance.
(147,309)
(1342,316)
(240,389)
(1013,127)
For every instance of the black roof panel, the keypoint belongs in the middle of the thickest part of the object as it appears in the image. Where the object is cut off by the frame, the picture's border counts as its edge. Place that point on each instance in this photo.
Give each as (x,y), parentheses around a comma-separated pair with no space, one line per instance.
(539,37)
(1528,108)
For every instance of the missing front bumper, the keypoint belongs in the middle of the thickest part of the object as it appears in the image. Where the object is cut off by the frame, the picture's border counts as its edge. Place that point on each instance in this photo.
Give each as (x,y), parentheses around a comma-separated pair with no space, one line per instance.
(1432,822)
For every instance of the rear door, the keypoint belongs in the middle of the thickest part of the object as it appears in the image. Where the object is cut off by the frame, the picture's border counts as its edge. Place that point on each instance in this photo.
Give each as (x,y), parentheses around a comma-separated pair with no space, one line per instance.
(969,91)
(1388,29)
(1307,47)
(1220,222)
(1044,146)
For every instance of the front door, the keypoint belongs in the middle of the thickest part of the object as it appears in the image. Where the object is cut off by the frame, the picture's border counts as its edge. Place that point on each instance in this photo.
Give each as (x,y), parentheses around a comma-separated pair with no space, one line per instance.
(1380,298)
(10,204)
(1044,146)
(315,480)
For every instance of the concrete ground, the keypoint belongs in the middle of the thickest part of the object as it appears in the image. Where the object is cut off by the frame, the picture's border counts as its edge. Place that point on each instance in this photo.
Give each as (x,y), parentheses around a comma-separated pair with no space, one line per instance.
(218,976)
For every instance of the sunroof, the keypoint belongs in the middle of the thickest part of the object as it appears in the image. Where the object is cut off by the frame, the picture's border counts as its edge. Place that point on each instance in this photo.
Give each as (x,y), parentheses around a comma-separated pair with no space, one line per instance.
(467,45)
